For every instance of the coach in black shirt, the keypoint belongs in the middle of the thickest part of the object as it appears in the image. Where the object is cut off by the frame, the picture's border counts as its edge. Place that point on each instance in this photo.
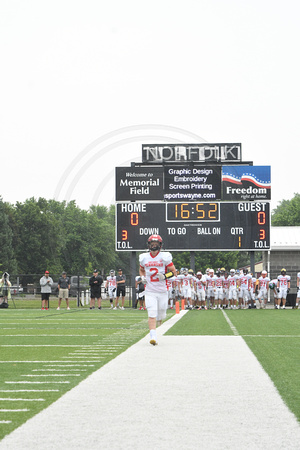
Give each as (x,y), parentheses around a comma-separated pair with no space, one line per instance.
(121,280)
(95,283)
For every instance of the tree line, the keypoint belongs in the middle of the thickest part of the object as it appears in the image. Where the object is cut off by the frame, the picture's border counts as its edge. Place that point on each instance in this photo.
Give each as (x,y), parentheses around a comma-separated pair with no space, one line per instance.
(40,234)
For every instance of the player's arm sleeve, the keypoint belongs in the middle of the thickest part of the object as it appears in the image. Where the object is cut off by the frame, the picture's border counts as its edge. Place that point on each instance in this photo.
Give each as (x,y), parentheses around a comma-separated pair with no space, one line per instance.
(142,271)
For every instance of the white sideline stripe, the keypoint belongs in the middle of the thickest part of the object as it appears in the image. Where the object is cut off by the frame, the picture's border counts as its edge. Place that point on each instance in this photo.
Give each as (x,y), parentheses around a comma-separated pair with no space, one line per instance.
(51,335)
(77,328)
(22,399)
(39,362)
(62,370)
(29,390)
(233,329)
(5,421)
(37,382)
(53,375)
(272,335)
(69,365)
(15,410)
(42,345)
(83,357)
(88,352)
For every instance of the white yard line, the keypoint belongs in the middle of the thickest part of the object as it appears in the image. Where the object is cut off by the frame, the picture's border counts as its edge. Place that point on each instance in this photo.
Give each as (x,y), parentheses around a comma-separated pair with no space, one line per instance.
(189,392)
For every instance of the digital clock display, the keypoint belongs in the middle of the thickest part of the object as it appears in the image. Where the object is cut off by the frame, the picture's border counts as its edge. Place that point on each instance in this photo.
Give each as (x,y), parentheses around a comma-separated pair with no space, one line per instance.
(206,212)
(194,226)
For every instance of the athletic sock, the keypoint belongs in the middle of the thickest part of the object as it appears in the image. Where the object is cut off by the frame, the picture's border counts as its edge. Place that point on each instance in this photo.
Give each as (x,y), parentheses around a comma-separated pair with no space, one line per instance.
(153,334)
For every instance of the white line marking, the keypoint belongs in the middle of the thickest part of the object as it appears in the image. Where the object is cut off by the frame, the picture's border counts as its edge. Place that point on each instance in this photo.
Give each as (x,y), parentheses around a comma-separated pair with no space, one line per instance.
(39,362)
(14,410)
(62,370)
(22,399)
(271,335)
(233,329)
(82,357)
(5,421)
(41,345)
(36,382)
(29,390)
(51,335)
(69,365)
(53,375)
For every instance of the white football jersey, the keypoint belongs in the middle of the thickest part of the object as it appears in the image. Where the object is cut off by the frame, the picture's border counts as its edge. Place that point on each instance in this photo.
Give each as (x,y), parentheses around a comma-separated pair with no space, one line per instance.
(283,281)
(111,282)
(154,265)
(263,282)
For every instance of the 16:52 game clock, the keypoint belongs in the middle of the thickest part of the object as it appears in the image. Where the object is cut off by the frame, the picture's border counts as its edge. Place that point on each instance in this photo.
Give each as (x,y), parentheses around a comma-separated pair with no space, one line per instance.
(194,226)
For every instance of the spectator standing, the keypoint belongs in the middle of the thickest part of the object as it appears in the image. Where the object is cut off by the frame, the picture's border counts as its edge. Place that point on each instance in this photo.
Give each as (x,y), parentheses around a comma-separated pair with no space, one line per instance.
(63,289)
(140,292)
(5,293)
(298,290)
(121,281)
(46,283)
(95,283)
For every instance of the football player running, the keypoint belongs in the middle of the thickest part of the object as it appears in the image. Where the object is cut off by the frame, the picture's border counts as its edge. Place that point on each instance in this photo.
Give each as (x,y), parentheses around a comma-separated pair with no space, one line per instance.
(155,267)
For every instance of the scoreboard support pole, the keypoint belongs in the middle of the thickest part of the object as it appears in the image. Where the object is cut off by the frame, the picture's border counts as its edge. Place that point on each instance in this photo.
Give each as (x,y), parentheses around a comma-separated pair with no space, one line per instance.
(192,260)
(252,262)
(133,273)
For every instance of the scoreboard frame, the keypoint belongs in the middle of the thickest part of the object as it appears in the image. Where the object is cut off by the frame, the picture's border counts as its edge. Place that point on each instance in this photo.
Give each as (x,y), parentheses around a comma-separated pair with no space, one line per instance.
(183,202)
(194,226)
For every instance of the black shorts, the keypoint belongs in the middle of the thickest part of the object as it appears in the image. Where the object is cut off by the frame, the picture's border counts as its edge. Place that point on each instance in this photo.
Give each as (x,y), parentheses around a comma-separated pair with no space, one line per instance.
(95,293)
(45,295)
(120,291)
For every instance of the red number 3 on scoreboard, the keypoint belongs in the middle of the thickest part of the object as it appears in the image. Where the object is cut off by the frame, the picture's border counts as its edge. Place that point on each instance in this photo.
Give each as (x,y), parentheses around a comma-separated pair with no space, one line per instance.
(153,276)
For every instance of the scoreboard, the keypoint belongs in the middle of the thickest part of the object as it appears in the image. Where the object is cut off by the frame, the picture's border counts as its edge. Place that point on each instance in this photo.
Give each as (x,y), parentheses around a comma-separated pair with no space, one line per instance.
(193,206)
(194,226)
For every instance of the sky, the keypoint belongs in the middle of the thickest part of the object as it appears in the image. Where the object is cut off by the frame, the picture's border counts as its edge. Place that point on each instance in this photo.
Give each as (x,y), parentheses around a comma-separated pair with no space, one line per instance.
(85,83)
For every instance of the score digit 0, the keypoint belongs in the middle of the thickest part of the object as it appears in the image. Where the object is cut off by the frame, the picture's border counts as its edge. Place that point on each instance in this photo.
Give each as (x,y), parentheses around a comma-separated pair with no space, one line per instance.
(261,220)
(134,218)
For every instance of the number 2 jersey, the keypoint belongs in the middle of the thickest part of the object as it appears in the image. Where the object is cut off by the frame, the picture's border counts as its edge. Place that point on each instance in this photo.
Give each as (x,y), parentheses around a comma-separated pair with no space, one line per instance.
(153,265)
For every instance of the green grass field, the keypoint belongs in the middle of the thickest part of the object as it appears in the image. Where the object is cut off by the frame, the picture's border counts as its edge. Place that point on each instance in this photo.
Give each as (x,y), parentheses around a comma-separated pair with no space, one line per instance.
(46,353)
(272,335)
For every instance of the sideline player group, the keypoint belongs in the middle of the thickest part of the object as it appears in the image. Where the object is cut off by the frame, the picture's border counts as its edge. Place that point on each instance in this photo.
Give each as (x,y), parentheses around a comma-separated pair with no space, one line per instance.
(159,285)
(231,289)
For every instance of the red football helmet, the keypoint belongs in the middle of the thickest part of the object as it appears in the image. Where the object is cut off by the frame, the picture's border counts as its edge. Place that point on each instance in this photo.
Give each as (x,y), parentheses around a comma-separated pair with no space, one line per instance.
(155,238)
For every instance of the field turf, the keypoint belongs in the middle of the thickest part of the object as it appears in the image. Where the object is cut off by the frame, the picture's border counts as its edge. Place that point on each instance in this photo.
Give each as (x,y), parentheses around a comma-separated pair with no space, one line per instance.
(272,335)
(46,353)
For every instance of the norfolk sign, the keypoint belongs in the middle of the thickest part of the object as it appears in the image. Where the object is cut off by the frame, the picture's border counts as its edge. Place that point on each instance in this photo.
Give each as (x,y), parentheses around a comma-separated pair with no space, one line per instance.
(180,153)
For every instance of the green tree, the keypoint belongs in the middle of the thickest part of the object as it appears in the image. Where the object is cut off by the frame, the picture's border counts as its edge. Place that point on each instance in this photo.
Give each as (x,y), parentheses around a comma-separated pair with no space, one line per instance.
(204,260)
(7,258)
(37,236)
(100,238)
(287,213)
